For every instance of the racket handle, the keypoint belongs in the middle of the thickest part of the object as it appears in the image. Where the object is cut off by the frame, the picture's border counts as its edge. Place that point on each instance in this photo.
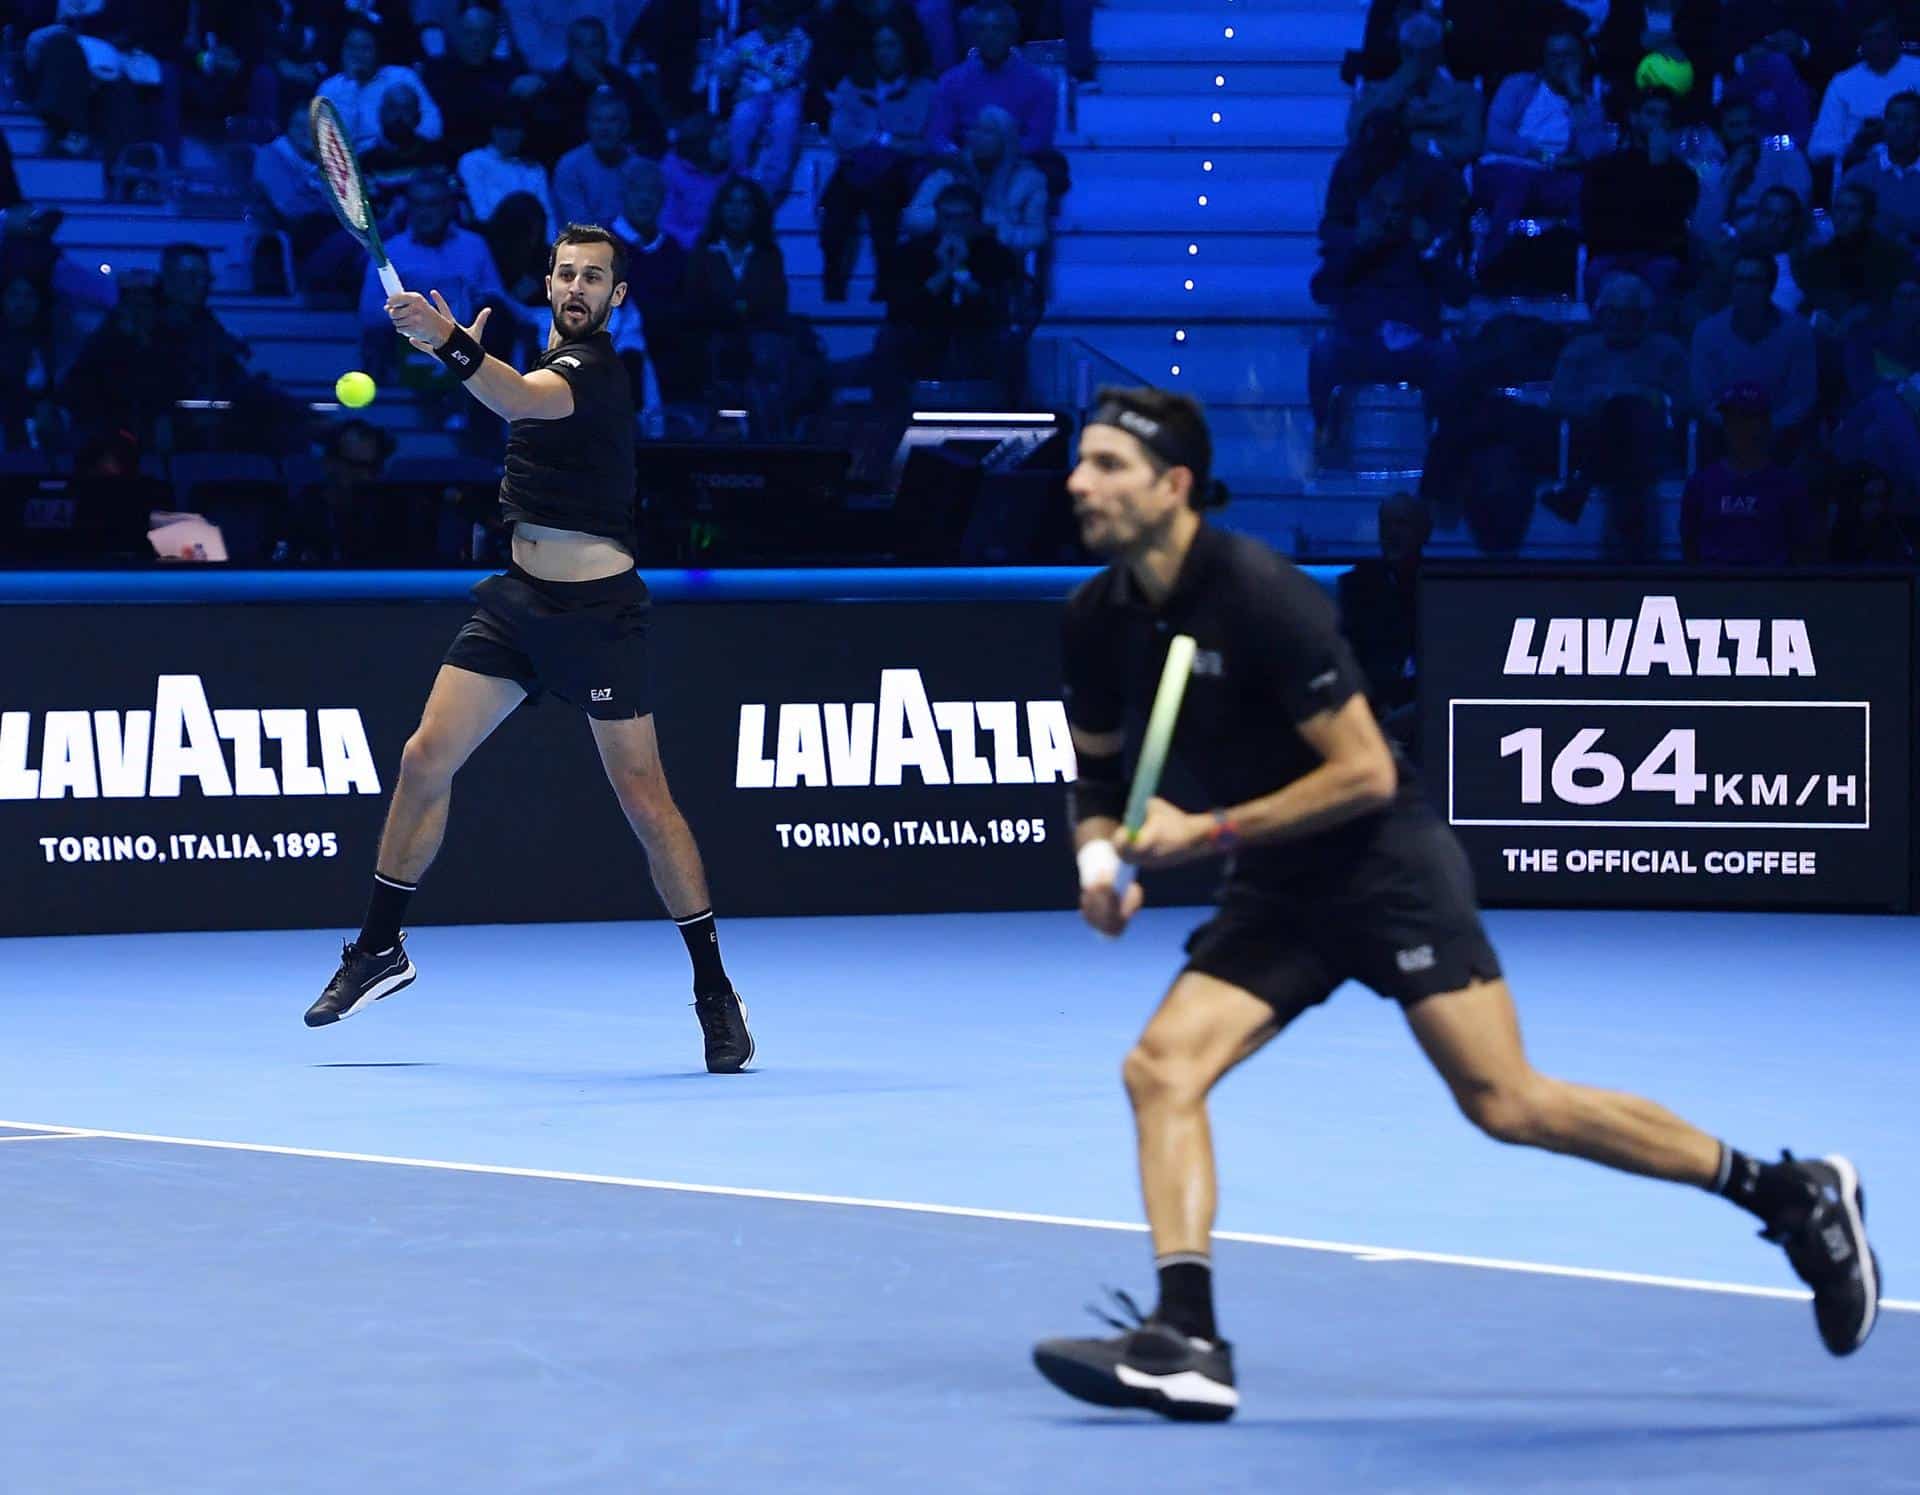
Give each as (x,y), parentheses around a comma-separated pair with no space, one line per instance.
(389,279)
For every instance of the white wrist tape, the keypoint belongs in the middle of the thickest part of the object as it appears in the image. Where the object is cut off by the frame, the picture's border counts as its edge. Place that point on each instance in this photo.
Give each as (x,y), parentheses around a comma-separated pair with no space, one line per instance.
(1099,863)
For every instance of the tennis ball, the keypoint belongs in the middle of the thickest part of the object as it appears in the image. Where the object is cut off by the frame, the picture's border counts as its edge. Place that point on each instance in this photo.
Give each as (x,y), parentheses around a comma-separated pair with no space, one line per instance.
(354,390)
(1666,70)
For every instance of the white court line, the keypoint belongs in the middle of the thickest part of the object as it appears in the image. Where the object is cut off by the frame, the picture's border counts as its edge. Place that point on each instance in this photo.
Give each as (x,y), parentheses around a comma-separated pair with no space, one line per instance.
(49,1137)
(1372,1254)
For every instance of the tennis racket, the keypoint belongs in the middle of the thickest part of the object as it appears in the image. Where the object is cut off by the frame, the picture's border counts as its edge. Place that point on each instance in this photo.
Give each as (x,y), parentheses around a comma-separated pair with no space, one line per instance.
(340,170)
(1153,748)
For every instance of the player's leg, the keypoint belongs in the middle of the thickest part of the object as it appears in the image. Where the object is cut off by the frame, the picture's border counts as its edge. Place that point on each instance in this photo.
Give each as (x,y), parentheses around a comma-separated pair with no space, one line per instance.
(630,752)
(462,711)
(1814,1209)
(1175,1362)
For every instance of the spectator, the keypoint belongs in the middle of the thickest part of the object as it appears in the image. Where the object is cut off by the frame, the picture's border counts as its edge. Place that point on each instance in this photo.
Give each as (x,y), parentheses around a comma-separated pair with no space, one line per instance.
(1622,389)
(123,378)
(1738,170)
(695,169)
(1386,290)
(1866,528)
(1883,385)
(336,521)
(736,292)
(1777,230)
(1442,114)
(1753,341)
(287,186)
(209,361)
(360,85)
(437,253)
(1383,148)
(1765,80)
(28,418)
(764,74)
(667,42)
(519,237)
(878,132)
(843,39)
(1377,611)
(1845,280)
(1745,509)
(1892,170)
(1848,124)
(401,152)
(1638,200)
(470,83)
(496,171)
(1013,194)
(948,299)
(994,74)
(94,95)
(646,326)
(542,29)
(563,98)
(586,183)
(1541,128)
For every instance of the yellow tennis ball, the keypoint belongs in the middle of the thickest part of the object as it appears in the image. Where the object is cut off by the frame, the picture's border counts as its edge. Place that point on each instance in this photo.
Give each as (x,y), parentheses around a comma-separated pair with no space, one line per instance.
(354,390)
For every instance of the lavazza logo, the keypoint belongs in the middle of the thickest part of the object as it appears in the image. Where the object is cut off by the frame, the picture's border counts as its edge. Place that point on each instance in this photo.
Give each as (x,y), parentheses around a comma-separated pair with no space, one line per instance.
(153,754)
(1658,637)
(873,744)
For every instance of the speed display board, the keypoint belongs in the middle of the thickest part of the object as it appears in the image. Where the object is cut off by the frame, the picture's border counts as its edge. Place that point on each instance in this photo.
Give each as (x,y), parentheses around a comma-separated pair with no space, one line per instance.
(1672,740)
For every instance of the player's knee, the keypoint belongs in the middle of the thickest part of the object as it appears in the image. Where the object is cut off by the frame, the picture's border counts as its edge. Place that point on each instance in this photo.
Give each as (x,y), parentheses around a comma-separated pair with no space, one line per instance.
(428,760)
(644,797)
(1518,1112)
(1153,1076)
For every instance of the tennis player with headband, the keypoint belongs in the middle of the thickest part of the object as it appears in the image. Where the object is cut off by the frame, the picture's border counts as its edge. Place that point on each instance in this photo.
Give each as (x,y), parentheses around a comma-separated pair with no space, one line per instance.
(569,617)
(1335,869)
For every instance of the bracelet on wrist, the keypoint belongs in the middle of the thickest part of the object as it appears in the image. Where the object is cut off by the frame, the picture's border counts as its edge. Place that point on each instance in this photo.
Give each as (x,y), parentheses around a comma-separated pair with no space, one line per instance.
(1223,836)
(461,354)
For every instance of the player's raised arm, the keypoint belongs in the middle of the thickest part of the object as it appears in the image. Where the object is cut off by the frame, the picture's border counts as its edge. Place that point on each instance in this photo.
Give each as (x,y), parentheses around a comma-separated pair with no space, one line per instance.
(503,389)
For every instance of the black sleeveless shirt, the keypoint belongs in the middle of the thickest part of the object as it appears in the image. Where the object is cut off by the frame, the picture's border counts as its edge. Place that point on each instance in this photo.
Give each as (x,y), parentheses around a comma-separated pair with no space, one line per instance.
(577,473)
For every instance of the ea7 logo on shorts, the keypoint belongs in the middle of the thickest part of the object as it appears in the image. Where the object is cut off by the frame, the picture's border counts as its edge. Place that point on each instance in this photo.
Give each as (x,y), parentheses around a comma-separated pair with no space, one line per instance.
(1209,662)
(601,693)
(1419,958)
(875,744)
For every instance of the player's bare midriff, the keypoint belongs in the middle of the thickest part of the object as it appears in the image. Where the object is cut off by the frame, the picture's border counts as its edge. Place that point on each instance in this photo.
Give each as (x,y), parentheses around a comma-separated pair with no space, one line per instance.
(567,554)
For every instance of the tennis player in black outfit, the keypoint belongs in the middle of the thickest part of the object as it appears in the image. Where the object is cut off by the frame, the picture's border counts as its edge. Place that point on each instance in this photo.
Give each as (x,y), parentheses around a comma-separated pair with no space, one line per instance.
(1336,869)
(569,617)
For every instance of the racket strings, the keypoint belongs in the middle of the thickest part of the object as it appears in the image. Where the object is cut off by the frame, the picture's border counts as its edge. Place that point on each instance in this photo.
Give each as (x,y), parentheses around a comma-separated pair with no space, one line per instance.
(337,165)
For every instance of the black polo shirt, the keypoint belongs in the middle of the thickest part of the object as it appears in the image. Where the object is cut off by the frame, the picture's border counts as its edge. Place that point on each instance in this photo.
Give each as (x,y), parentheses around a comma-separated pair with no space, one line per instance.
(577,472)
(1269,654)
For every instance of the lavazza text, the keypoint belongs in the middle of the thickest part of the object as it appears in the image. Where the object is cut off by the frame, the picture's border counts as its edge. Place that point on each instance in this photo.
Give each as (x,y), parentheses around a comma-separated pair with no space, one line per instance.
(905,740)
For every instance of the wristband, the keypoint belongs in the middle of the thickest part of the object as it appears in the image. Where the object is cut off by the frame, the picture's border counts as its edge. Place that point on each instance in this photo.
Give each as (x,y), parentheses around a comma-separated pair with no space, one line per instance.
(1223,837)
(461,354)
(1099,863)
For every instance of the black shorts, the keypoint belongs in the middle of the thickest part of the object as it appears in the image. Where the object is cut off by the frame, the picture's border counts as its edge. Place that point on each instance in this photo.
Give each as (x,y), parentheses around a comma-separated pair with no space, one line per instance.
(583,641)
(1398,915)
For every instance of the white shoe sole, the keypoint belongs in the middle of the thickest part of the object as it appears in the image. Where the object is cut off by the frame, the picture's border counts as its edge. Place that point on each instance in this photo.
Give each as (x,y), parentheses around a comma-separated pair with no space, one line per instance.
(381,989)
(1869,1273)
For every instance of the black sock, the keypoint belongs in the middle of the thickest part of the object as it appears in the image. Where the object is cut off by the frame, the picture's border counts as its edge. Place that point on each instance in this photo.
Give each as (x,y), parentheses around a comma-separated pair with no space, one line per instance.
(1186,1294)
(385,909)
(703,949)
(1769,1191)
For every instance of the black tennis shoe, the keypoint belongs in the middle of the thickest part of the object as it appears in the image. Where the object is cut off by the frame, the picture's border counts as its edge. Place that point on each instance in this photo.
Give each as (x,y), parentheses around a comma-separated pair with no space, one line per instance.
(1149,1364)
(362,978)
(1827,1244)
(723,1025)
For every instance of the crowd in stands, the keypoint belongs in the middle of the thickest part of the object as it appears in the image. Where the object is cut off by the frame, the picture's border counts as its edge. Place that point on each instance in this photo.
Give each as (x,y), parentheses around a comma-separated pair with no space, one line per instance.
(1636,245)
(484,127)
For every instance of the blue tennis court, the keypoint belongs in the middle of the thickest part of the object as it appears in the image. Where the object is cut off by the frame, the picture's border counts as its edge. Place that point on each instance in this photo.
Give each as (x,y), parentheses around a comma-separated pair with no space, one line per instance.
(503,1233)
